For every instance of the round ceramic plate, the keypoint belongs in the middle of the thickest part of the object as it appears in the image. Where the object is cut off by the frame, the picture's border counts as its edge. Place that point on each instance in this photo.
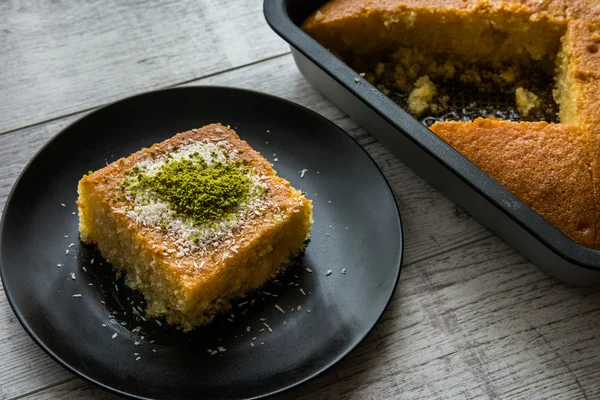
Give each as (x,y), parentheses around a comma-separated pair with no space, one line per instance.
(72,304)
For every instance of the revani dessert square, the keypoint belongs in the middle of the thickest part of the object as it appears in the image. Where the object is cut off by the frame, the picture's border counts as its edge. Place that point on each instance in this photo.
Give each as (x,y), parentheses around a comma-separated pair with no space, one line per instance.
(194,222)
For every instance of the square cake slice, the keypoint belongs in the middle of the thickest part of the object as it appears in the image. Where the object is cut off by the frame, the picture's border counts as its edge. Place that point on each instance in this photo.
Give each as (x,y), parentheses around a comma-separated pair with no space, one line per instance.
(193,222)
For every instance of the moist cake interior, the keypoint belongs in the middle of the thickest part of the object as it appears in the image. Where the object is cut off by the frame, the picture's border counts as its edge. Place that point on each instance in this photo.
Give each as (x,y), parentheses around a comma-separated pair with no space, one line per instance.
(504,75)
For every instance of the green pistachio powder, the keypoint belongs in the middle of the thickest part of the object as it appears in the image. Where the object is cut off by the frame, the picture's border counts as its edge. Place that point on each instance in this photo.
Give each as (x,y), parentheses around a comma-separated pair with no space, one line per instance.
(194,189)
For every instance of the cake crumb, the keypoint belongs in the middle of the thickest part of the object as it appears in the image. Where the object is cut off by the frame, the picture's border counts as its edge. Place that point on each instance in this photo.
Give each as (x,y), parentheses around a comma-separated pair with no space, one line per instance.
(526,101)
(420,98)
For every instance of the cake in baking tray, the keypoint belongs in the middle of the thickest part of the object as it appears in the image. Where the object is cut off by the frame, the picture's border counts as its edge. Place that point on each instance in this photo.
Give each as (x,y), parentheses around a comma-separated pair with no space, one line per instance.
(514,85)
(193,222)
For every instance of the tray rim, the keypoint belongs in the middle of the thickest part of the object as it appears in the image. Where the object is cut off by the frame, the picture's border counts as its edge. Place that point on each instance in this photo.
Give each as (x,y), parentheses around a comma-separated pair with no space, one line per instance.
(56,358)
(277,16)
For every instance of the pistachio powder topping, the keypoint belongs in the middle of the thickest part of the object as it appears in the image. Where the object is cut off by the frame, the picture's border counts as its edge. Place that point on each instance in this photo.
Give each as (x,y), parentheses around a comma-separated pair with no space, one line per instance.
(198,191)
(196,194)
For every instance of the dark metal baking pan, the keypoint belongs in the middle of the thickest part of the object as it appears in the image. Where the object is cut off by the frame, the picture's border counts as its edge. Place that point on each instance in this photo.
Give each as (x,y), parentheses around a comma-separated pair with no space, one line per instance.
(434,160)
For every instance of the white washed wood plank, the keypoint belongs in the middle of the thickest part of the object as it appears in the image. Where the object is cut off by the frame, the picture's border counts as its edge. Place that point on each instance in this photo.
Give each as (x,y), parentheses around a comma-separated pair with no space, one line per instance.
(76,389)
(23,365)
(17,148)
(432,224)
(60,57)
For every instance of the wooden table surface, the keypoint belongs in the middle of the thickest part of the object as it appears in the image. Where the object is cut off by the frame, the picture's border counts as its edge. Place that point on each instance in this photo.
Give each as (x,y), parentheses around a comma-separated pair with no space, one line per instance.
(471,318)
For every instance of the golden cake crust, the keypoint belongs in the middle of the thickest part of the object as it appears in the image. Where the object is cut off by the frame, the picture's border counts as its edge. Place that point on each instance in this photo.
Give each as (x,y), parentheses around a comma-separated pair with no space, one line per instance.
(340,10)
(355,28)
(545,165)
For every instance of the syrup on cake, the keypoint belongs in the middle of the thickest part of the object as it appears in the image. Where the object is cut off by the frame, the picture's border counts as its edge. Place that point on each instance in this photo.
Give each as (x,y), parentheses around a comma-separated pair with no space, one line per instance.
(194,222)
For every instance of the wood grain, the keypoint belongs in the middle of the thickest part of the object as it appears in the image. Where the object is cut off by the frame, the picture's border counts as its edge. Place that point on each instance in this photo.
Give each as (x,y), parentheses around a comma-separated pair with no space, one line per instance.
(24,366)
(432,224)
(60,57)
(73,390)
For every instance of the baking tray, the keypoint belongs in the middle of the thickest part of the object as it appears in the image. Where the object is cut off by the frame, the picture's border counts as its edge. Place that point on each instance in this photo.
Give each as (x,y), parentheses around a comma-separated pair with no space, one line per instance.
(429,156)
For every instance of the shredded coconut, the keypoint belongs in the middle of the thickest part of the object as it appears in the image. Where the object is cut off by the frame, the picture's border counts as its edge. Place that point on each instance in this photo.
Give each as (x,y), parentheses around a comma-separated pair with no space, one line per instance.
(150,211)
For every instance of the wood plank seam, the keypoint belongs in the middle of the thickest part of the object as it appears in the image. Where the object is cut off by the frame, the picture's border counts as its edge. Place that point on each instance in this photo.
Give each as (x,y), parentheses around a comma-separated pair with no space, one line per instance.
(448,250)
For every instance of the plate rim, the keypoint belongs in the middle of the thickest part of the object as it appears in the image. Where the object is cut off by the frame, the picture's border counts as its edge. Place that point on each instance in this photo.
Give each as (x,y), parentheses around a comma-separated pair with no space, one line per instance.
(310,377)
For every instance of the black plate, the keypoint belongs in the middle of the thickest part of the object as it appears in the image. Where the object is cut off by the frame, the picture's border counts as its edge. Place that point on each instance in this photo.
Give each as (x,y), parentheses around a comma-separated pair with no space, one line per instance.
(357,227)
